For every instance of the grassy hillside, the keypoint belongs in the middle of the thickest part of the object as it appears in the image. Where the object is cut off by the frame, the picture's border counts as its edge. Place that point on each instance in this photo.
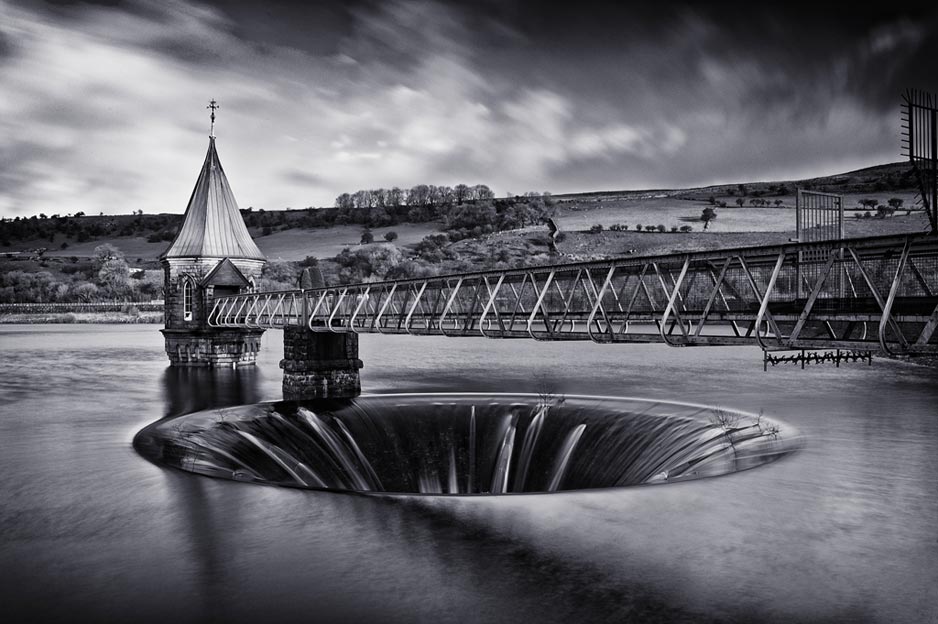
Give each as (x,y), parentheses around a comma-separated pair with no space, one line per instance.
(469,236)
(879,179)
(285,234)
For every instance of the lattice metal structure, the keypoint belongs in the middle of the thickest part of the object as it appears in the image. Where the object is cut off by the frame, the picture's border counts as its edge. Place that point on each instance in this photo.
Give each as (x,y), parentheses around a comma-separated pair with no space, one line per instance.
(819,217)
(887,300)
(920,143)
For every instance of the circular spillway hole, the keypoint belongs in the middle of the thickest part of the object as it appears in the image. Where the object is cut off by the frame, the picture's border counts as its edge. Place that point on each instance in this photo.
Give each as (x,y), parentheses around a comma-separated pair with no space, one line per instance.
(458,444)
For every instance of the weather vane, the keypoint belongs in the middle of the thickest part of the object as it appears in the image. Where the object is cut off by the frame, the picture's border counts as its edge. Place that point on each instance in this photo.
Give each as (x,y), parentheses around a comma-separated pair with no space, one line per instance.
(214,106)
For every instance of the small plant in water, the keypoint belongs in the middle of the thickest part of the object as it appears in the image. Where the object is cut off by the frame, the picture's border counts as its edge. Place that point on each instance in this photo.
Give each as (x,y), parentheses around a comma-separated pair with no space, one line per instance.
(546,389)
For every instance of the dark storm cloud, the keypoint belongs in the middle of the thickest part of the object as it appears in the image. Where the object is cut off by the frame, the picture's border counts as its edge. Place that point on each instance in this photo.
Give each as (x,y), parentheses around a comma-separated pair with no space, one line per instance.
(6,45)
(872,53)
(520,95)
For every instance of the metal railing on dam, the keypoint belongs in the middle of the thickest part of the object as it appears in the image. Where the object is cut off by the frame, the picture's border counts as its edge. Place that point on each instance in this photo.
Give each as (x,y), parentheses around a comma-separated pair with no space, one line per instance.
(877,293)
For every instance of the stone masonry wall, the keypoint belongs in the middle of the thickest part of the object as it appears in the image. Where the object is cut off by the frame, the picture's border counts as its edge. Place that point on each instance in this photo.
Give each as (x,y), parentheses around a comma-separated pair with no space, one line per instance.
(320,364)
(212,348)
(198,268)
(193,342)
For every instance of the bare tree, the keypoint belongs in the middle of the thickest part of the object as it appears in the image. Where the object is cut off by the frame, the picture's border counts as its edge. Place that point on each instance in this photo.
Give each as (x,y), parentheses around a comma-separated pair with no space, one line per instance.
(729,423)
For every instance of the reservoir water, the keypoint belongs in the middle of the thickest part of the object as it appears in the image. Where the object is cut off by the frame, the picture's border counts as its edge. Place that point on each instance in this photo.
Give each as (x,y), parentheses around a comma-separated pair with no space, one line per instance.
(844,530)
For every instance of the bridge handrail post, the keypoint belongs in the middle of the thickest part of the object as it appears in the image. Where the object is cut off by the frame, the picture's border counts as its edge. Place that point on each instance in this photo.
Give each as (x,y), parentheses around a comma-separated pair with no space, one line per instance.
(262,300)
(335,310)
(384,306)
(717,290)
(764,305)
(493,294)
(539,305)
(212,313)
(890,300)
(254,299)
(879,301)
(598,305)
(413,307)
(241,307)
(670,307)
(362,298)
(449,304)
(304,309)
(815,292)
(315,310)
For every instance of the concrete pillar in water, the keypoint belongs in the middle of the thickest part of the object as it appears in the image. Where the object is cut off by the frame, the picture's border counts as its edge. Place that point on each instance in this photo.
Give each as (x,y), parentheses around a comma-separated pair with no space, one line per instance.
(319,364)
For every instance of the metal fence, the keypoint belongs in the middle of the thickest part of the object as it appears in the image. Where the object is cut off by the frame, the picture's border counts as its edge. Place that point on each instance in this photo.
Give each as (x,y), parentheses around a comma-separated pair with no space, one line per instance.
(920,143)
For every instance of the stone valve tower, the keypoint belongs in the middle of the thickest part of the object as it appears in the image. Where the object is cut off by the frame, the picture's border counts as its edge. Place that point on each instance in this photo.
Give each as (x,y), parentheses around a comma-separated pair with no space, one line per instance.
(212,255)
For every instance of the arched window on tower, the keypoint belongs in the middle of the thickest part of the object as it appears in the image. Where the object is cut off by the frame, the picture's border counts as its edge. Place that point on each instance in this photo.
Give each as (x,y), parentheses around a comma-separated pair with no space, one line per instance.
(186,299)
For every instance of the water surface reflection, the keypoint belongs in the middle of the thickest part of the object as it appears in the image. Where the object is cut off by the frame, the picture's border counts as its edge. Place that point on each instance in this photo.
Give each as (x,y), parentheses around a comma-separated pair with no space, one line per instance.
(842,531)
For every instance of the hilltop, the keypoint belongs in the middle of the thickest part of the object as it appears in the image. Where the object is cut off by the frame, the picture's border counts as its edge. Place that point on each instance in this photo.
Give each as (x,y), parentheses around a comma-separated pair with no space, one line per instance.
(425,239)
(293,234)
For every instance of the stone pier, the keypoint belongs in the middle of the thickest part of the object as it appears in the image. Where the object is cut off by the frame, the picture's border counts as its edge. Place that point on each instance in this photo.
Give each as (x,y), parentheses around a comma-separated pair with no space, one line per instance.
(214,348)
(319,364)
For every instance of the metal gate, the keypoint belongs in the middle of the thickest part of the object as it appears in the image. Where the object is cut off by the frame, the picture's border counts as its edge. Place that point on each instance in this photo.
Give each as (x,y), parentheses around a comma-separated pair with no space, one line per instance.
(819,217)
(920,140)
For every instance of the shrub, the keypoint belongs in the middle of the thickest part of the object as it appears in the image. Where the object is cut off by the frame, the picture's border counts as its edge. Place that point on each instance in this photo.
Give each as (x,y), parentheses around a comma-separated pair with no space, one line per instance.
(68,317)
(390,236)
(867,215)
(367,237)
(674,228)
(651,228)
(597,228)
(661,228)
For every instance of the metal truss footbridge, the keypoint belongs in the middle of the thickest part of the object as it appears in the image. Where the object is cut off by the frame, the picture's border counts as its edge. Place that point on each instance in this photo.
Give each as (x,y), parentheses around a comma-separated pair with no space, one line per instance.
(867,294)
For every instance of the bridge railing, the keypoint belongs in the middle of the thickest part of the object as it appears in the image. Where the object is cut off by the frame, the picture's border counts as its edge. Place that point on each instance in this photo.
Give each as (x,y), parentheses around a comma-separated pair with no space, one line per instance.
(873,293)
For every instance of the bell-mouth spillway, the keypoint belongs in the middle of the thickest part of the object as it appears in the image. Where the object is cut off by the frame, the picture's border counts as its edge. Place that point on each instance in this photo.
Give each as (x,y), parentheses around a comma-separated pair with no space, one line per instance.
(467,443)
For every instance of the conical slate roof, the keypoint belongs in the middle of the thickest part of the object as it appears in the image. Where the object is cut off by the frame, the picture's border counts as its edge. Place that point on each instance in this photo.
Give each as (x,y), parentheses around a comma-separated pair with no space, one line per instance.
(212,226)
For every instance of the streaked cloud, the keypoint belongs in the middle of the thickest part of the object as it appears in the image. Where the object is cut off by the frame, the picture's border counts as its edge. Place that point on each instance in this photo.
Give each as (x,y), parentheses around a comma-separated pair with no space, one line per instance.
(103,106)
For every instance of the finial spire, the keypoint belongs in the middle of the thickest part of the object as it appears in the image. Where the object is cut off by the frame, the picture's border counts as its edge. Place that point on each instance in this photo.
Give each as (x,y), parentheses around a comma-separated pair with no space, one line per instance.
(213,105)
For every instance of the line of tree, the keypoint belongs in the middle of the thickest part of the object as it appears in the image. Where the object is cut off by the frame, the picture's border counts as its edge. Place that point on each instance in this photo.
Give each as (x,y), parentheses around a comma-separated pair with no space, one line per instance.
(424,202)
(82,228)
(420,195)
(107,277)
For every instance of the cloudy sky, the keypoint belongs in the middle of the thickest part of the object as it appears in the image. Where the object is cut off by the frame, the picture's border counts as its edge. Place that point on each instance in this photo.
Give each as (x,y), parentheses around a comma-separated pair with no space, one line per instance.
(102,105)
